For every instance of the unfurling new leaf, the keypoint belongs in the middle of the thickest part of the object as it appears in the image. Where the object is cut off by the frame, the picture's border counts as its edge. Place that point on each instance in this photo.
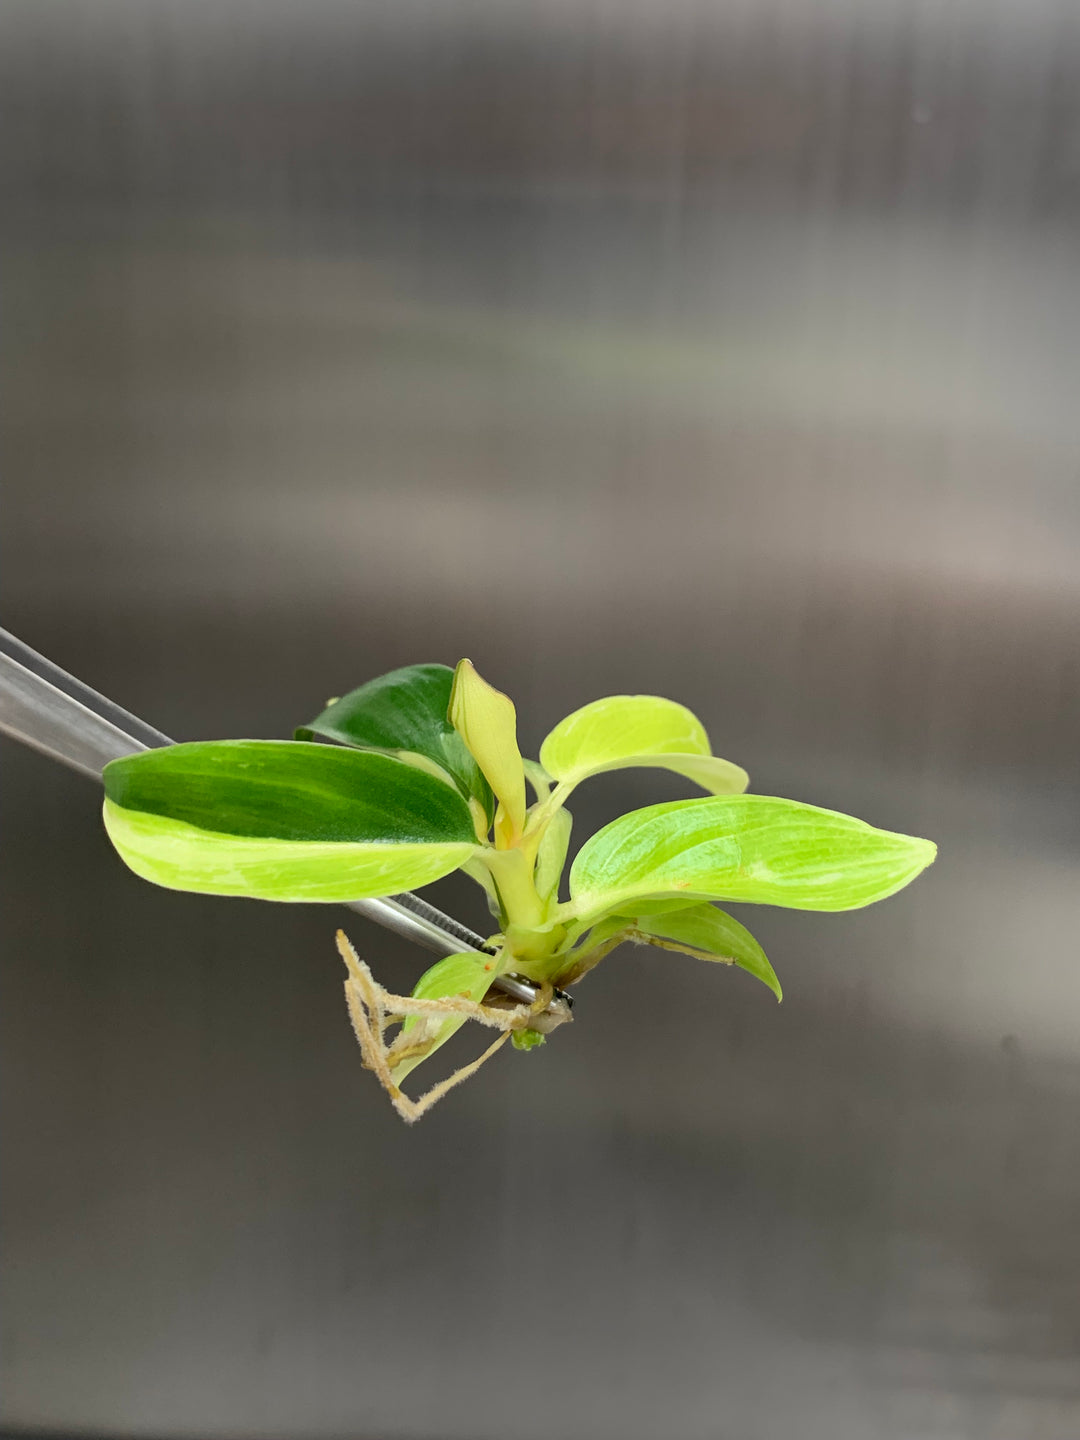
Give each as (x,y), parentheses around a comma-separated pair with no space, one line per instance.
(486,720)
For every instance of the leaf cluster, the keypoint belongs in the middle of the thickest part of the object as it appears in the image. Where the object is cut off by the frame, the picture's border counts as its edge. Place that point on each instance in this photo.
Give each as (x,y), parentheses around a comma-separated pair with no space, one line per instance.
(418,773)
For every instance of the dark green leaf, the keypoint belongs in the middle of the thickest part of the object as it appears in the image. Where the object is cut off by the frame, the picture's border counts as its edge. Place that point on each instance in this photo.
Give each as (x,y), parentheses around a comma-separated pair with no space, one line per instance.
(286,790)
(405,712)
(283,820)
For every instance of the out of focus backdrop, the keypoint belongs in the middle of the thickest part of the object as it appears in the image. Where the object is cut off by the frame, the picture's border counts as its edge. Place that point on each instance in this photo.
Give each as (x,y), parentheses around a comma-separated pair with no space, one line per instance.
(728,351)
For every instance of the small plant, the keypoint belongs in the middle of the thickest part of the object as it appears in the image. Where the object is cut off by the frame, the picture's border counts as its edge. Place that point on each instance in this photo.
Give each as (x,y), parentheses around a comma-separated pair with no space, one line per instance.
(424,776)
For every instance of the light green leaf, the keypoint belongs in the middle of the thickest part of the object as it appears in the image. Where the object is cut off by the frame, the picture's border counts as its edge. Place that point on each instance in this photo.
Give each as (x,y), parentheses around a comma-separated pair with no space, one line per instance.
(551,855)
(622,731)
(743,847)
(665,905)
(721,777)
(468,976)
(405,714)
(617,726)
(283,820)
(486,720)
(711,934)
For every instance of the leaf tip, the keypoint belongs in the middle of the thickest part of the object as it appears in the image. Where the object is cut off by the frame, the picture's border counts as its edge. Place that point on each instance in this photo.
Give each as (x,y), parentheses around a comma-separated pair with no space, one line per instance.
(923,854)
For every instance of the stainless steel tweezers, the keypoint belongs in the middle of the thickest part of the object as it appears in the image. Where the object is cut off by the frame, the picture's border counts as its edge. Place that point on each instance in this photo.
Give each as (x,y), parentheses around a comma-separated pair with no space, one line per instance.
(49,710)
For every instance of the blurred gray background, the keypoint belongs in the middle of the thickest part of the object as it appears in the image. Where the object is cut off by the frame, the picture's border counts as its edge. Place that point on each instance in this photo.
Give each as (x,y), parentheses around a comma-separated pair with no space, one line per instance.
(728,351)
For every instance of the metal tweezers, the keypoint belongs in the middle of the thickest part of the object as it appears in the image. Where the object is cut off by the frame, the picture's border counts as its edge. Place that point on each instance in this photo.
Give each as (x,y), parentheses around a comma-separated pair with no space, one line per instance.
(52,712)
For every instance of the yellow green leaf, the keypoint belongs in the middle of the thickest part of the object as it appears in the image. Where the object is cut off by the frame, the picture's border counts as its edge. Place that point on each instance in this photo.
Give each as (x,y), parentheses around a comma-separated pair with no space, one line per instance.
(486,720)
(467,976)
(623,731)
(743,847)
(711,934)
(551,855)
(186,857)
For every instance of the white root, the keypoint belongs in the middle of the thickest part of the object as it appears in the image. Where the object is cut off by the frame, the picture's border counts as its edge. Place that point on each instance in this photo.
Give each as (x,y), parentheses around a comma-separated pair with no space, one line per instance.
(372,1009)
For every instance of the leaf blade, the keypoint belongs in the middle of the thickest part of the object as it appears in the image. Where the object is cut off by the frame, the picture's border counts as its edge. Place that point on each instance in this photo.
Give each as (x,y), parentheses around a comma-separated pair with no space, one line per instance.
(713,934)
(283,820)
(405,713)
(760,849)
(289,790)
(179,856)
(467,975)
(623,731)
(619,725)
(721,777)
(551,855)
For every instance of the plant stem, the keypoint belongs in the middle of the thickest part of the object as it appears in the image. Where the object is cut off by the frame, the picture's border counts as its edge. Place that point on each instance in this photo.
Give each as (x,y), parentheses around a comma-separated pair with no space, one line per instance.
(542,812)
(513,876)
(530,938)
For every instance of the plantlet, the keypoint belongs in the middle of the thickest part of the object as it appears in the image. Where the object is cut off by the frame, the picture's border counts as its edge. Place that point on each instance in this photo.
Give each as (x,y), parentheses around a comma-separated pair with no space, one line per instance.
(423,777)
